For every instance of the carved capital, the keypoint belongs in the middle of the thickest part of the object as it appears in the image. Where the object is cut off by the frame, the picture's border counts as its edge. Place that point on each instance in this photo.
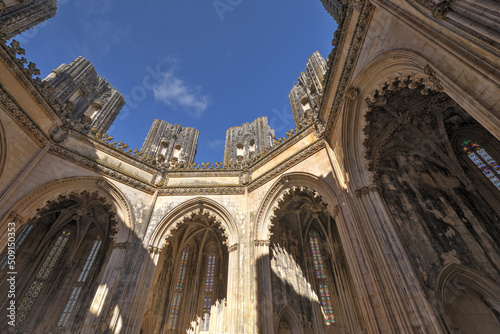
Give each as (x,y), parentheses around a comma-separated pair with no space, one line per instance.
(441,10)
(361,192)
(121,245)
(352,93)
(232,248)
(262,243)
(154,250)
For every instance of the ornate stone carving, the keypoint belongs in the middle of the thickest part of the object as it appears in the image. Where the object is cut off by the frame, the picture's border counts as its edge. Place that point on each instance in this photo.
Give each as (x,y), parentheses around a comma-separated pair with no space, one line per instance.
(352,93)
(121,245)
(245,142)
(305,96)
(441,10)
(262,243)
(281,168)
(352,55)
(232,248)
(170,145)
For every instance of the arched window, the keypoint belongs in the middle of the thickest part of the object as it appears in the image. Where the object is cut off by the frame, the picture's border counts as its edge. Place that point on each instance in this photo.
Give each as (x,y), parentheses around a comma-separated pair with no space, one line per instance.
(41,277)
(324,291)
(59,254)
(174,314)
(79,284)
(209,288)
(482,160)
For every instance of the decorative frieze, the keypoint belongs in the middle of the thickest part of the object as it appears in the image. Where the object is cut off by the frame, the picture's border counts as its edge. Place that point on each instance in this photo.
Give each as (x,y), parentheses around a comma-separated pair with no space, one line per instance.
(262,243)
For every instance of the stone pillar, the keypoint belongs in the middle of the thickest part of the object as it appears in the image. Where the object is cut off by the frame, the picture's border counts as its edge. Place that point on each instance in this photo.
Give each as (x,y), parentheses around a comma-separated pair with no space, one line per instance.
(102,305)
(141,292)
(264,322)
(390,275)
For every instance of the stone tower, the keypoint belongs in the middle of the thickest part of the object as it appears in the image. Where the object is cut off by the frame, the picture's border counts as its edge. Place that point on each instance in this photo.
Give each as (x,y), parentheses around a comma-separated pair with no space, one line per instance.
(305,95)
(333,7)
(18,15)
(170,142)
(79,84)
(243,142)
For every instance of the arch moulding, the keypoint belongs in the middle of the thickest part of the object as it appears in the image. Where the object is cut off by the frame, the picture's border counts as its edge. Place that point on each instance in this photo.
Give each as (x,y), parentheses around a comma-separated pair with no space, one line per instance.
(471,279)
(310,182)
(388,71)
(27,207)
(184,210)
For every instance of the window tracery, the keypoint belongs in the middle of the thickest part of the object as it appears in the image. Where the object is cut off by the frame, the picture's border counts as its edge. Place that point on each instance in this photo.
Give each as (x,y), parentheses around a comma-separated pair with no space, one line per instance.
(482,160)
(321,278)
(209,287)
(41,277)
(174,313)
(79,284)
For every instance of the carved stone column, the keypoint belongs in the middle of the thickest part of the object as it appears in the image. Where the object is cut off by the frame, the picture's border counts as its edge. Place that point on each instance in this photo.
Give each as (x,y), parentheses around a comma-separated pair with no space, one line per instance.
(391,277)
(105,300)
(264,295)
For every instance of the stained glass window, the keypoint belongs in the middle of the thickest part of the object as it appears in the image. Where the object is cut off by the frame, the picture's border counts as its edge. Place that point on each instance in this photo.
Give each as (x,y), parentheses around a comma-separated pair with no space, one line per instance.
(79,284)
(43,273)
(174,313)
(209,287)
(482,159)
(19,241)
(324,291)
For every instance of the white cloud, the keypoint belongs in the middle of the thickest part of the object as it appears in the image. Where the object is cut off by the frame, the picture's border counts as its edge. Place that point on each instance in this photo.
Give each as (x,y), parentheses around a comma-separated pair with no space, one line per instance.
(176,93)
(215,143)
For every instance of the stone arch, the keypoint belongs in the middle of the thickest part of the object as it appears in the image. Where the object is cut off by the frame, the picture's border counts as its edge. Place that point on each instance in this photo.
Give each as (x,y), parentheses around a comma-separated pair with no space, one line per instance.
(288,315)
(147,323)
(185,238)
(398,68)
(456,281)
(170,222)
(27,207)
(309,182)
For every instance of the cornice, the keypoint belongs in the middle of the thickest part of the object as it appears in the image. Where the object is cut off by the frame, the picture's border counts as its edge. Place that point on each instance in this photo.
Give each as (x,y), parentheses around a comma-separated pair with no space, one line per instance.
(287,164)
(208,190)
(11,106)
(350,62)
(113,151)
(203,173)
(80,160)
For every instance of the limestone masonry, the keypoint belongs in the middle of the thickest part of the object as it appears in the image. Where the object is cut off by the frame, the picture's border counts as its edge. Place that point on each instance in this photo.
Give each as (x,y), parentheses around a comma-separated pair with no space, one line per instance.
(378,213)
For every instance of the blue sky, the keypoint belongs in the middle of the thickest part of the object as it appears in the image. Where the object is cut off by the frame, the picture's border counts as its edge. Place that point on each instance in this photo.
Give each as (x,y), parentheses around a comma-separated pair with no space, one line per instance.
(187,62)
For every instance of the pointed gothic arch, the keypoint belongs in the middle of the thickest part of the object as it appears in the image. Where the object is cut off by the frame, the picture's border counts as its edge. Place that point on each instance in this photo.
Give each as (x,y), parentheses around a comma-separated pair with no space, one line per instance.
(169,223)
(61,251)
(397,68)
(198,242)
(315,185)
(288,316)
(27,207)
(470,302)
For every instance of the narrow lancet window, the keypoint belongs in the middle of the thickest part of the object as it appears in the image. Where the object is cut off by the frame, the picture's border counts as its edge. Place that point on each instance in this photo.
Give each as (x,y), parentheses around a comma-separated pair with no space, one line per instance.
(19,241)
(324,291)
(209,287)
(43,274)
(174,314)
(481,159)
(79,284)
